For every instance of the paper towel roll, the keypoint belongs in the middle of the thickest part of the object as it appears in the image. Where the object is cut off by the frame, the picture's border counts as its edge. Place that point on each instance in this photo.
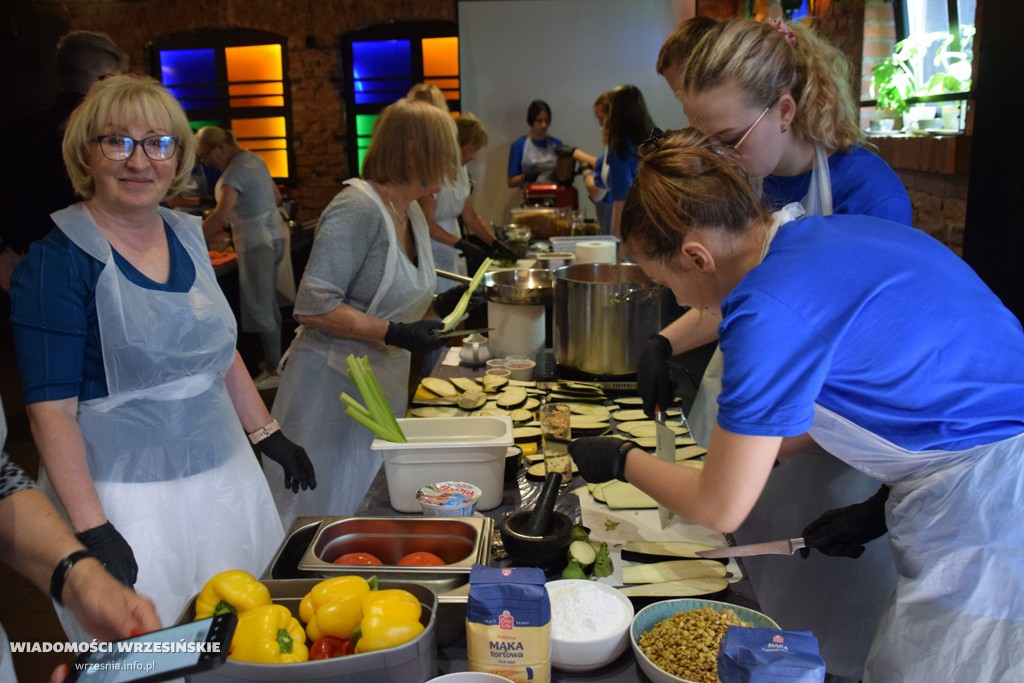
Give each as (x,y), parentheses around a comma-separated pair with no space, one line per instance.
(595,252)
(517,329)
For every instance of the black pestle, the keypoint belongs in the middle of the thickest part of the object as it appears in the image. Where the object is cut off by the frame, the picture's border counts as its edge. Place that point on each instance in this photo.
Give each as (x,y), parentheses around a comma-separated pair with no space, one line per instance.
(540,518)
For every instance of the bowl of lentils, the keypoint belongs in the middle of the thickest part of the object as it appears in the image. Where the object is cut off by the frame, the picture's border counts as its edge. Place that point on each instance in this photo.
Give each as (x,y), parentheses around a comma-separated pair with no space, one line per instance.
(677,641)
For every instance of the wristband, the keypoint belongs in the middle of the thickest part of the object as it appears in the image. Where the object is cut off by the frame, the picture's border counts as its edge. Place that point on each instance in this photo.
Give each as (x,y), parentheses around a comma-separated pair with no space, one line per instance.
(263,432)
(60,572)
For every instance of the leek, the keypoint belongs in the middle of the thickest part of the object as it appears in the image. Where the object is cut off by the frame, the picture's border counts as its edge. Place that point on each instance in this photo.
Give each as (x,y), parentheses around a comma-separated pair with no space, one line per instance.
(376,415)
(453,318)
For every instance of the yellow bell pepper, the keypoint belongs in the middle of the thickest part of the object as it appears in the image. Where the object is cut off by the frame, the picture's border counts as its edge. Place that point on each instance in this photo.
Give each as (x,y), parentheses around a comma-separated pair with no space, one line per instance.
(233,590)
(332,607)
(390,618)
(392,602)
(269,635)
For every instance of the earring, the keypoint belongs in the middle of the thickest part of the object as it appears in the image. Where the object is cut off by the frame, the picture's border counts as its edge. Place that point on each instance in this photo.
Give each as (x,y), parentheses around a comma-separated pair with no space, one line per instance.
(784,128)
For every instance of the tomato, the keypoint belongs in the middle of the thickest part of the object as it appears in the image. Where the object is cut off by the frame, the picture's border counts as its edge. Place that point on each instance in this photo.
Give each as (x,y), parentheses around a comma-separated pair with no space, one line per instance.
(357,558)
(329,646)
(421,559)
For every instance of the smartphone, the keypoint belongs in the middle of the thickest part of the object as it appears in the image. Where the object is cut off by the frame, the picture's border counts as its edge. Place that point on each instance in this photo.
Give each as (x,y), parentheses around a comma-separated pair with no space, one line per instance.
(160,655)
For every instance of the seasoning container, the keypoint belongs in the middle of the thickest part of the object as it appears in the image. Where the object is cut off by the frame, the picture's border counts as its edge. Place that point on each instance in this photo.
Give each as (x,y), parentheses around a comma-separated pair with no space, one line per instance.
(448,499)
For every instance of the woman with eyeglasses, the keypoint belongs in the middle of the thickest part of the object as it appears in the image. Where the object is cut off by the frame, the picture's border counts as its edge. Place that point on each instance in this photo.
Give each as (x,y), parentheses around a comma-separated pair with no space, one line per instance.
(138,402)
(776,96)
(832,331)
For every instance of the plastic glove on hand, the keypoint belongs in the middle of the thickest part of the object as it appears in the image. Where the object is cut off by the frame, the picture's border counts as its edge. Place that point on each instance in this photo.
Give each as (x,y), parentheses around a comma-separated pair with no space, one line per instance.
(298,470)
(421,335)
(474,255)
(113,551)
(844,531)
(530,175)
(446,301)
(564,151)
(601,458)
(500,251)
(653,382)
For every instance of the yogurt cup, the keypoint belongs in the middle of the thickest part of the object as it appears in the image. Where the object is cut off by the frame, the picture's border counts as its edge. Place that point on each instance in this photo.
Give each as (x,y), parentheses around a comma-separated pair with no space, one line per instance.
(448,499)
(520,369)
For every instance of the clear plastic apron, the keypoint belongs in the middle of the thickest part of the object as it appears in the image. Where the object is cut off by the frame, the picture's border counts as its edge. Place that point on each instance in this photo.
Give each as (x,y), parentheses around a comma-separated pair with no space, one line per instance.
(260,243)
(540,159)
(307,404)
(795,592)
(168,457)
(451,200)
(955,531)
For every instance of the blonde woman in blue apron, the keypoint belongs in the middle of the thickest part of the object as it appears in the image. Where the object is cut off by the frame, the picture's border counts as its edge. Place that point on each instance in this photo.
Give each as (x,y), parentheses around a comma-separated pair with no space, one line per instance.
(532,157)
(367,285)
(776,96)
(831,332)
(248,197)
(139,403)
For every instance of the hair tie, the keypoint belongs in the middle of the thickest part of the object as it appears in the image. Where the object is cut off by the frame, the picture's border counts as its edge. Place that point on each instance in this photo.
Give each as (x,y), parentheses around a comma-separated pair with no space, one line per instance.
(784,29)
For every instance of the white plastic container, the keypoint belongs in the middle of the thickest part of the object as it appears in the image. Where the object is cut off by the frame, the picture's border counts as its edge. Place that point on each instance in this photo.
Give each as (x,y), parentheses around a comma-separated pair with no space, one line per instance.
(470,449)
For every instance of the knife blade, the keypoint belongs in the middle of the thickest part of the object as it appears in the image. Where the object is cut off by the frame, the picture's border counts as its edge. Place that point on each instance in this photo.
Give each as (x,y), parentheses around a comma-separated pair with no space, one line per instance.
(786,546)
(665,449)
(463,333)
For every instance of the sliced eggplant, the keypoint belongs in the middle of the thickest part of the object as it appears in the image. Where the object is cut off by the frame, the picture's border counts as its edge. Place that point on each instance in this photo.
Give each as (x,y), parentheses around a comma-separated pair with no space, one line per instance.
(438,411)
(512,397)
(440,387)
(661,551)
(525,383)
(677,589)
(673,570)
(466,384)
(621,495)
(521,416)
(472,400)
(526,434)
(493,383)
(492,411)
(439,401)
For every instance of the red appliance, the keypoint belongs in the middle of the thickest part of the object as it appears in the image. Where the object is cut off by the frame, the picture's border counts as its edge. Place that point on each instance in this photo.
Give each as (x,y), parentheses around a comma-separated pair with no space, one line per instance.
(550,194)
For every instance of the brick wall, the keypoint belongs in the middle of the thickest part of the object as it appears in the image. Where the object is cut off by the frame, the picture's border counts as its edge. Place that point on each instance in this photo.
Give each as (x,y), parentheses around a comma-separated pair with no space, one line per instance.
(315,71)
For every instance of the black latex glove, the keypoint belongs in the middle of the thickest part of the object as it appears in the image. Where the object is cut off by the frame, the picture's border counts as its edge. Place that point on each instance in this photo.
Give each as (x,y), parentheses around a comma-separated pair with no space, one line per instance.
(113,551)
(298,470)
(530,175)
(474,254)
(844,531)
(601,458)
(502,252)
(446,301)
(421,335)
(564,151)
(653,381)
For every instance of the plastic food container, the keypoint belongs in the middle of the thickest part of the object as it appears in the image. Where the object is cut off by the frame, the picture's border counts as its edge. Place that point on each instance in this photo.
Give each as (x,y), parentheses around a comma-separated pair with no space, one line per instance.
(413,661)
(448,499)
(520,369)
(469,449)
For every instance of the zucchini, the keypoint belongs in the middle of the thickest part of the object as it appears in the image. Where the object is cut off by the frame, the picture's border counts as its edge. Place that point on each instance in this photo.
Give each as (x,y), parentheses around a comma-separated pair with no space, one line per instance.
(673,570)
(677,589)
(582,552)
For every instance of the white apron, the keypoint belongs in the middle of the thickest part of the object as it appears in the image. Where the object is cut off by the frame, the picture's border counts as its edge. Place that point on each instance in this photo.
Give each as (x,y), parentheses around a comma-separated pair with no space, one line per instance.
(541,159)
(793,592)
(315,375)
(260,244)
(169,459)
(451,200)
(955,530)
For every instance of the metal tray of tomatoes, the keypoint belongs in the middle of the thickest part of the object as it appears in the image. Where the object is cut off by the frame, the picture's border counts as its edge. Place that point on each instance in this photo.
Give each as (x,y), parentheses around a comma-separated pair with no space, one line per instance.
(459,543)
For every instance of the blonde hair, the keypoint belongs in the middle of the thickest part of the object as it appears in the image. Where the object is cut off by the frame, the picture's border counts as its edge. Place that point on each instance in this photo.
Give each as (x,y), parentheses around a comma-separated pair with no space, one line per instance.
(685,180)
(429,93)
(471,131)
(118,102)
(678,46)
(214,135)
(766,64)
(412,142)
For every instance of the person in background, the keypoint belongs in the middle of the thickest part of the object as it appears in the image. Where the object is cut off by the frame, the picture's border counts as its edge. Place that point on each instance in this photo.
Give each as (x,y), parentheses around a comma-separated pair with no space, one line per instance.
(595,173)
(836,329)
(36,543)
(532,157)
(368,283)
(777,97)
(138,402)
(453,201)
(678,46)
(629,123)
(37,184)
(248,198)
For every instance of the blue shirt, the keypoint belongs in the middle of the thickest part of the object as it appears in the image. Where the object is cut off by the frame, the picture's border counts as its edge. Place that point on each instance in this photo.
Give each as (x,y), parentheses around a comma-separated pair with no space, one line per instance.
(861,183)
(53,315)
(621,172)
(515,152)
(879,323)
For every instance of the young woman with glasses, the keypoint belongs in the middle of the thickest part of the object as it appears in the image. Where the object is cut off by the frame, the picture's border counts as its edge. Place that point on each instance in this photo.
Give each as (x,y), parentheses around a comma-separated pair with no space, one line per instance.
(776,98)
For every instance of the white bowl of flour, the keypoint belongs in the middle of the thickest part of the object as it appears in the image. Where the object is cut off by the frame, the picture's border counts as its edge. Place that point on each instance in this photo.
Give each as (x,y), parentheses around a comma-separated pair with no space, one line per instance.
(589,624)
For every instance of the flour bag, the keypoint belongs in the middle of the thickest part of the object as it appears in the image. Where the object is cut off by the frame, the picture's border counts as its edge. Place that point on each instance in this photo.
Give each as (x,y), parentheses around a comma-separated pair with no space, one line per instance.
(766,655)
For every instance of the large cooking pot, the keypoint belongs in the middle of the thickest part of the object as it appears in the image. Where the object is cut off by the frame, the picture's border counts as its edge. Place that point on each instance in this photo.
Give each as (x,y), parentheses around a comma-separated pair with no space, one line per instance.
(603,315)
(532,286)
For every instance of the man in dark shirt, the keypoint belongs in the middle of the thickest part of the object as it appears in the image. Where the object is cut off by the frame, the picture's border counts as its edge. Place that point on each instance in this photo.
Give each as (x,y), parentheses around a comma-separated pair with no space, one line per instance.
(34,179)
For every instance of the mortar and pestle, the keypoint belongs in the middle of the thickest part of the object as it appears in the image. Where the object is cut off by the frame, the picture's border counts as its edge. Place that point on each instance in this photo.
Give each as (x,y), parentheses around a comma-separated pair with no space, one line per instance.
(538,536)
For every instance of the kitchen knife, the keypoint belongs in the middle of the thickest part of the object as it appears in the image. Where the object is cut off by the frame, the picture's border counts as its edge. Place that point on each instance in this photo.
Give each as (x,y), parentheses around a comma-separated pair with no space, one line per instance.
(463,333)
(783,547)
(665,449)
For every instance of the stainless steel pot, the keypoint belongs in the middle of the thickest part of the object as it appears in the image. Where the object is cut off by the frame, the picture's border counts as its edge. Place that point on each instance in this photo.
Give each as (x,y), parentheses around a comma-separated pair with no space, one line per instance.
(533,286)
(603,315)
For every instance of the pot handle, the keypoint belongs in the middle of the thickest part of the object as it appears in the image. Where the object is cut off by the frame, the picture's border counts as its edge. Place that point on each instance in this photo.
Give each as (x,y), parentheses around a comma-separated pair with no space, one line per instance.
(452,276)
(644,292)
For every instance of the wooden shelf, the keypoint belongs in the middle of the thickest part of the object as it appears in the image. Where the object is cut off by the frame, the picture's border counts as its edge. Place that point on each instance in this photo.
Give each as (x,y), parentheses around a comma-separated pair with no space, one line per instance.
(948,154)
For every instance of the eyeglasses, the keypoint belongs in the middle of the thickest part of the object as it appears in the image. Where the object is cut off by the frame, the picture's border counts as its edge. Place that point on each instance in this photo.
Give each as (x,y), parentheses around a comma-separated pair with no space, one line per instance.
(121,147)
(736,145)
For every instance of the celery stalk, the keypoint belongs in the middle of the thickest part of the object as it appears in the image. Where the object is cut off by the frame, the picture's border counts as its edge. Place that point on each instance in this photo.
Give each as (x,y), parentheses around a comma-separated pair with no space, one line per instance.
(453,318)
(385,434)
(376,415)
(386,417)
